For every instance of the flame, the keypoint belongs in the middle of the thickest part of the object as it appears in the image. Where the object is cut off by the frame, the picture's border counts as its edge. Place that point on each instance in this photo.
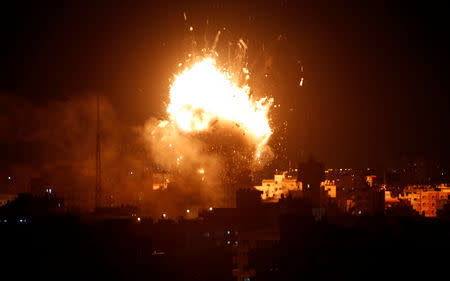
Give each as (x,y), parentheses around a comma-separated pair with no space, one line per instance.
(202,94)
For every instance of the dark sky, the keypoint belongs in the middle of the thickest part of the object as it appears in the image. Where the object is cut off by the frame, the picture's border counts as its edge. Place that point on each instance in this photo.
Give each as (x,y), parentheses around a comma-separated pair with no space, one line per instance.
(376,75)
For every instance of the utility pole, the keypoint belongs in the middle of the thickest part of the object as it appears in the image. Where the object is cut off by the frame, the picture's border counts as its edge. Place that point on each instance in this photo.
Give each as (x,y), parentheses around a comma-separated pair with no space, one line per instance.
(98,163)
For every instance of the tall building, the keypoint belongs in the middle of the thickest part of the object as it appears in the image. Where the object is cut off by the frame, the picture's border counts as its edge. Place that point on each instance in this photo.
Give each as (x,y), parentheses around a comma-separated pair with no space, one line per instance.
(311,174)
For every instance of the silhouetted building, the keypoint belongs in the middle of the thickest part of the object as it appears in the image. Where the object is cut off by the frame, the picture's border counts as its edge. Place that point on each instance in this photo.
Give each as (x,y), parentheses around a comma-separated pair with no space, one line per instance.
(257,255)
(248,198)
(311,174)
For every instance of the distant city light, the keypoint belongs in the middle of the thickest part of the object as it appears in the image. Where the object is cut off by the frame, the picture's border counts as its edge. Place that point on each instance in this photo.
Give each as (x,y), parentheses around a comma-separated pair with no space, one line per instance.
(210,208)
(164,215)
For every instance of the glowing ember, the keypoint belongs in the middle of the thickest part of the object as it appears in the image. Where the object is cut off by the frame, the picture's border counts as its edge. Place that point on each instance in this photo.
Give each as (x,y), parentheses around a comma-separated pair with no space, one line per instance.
(203,94)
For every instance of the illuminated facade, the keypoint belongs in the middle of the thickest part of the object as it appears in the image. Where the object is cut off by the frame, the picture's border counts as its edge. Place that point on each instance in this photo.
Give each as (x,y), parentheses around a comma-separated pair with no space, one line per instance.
(273,189)
(330,188)
(426,201)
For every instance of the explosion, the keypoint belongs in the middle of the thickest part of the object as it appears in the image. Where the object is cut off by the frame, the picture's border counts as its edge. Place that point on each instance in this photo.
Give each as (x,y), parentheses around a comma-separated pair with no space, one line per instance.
(215,133)
(204,94)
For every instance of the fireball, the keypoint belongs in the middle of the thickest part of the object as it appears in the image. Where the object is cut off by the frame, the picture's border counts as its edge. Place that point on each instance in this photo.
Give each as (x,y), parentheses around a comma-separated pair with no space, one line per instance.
(204,94)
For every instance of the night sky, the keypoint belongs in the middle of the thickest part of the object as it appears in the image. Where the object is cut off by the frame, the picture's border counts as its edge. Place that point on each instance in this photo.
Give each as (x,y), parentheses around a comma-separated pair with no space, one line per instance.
(376,75)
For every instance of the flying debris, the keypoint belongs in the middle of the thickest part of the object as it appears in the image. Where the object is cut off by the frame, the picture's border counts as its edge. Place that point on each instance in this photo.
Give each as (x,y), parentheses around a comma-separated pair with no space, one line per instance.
(213,121)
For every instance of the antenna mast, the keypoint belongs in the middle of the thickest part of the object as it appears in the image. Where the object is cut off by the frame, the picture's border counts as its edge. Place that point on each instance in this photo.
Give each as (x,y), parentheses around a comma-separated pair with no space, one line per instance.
(98,164)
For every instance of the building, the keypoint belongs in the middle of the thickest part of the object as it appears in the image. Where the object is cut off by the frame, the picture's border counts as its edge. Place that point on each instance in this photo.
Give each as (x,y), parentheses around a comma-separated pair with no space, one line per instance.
(390,201)
(312,174)
(425,200)
(330,187)
(256,254)
(278,187)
